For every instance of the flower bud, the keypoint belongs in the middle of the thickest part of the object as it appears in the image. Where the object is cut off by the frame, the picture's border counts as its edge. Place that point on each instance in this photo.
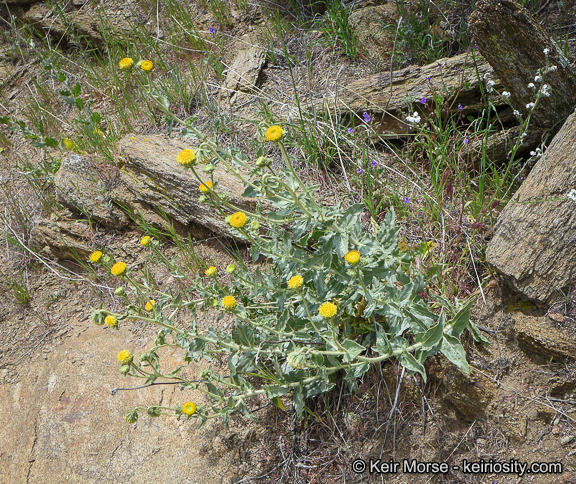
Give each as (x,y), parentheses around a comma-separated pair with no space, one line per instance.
(131,417)
(231,268)
(124,369)
(120,291)
(154,411)
(263,161)
(209,168)
(202,198)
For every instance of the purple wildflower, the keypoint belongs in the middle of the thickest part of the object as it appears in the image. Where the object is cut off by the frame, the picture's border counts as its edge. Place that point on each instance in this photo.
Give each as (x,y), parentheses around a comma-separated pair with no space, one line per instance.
(350,130)
(367,117)
(460,107)
(359,170)
(423,100)
(475,47)
(406,199)
(429,78)
(211,30)
(374,163)
(466,140)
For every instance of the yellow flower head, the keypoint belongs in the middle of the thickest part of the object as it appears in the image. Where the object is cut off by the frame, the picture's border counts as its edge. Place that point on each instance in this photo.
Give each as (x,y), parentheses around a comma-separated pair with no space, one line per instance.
(145,240)
(295,282)
(211,271)
(230,268)
(69,144)
(95,256)
(189,408)
(238,220)
(118,268)
(111,321)
(274,133)
(352,257)
(150,305)
(229,303)
(186,157)
(328,310)
(98,132)
(126,63)
(125,357)
(205,187)
(147,65)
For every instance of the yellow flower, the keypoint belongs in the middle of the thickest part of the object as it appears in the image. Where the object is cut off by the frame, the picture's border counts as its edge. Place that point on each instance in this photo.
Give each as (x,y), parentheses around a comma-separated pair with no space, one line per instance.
(150,305)
(147,65)
(118,268)
(189,408)
(274,133)
(231,268)
(295,282)
(95,256)
(69,144)
(186,157)
(328,310)
(211,271)
(238,220)
(352,257)
(126,63)
(99,132)
(205,187)
(229,303)
(145,240)
(111,321)
(125,357)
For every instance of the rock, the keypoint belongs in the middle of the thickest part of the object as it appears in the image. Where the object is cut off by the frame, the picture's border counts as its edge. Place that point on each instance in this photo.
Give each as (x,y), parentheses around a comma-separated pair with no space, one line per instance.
(513,43)
(534,243)
(86,23)
(370,25)
(471,393)
(65,238)
(151,176)
(85,188)
(540,337)
(387,97)
(244,72)
(499,144)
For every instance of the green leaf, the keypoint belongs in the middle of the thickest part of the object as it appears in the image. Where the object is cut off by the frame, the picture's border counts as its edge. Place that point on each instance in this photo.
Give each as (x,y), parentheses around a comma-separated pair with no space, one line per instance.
(51,142)
(382,341)
(76,90)
(433,336)
(277,402)
(454,351)
(96,118)
(298,402)
(274,391)
(408,361)
(477,335)
(353,350)
(461,320)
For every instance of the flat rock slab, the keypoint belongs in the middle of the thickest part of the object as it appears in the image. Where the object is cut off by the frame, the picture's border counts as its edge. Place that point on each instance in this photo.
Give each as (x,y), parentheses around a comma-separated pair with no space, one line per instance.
(391,95)
(534,243)
(151,176)
(244,72)
(541,337)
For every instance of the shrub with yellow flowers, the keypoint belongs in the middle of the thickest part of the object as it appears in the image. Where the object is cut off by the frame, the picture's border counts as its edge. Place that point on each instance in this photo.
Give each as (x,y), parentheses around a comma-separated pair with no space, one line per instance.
(332,299)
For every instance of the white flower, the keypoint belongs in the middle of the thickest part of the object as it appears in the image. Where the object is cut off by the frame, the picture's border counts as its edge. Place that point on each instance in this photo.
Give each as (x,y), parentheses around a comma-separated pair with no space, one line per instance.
(506,94)
(524,135)
(415,118)
(545,90)
(530,105)
(491,83)
(516,113)
(572,195)
(531,85)
(537,79)
(552,68)
(546,51)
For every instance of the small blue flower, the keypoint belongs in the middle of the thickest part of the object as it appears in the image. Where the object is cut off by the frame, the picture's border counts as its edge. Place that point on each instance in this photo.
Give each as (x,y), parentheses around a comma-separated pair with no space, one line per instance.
(367,117)
(429,78)
(460,107)
(466,140)
(423,100)
(374,163)
(211,30)
(359,170)
(406,199)
(350,130)
(475,47)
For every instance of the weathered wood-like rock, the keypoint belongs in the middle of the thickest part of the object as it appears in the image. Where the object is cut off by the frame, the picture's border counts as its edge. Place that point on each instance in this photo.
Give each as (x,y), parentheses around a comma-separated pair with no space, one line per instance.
(513,43)
(540,337)
(389,96)
(534,243)
(152,177)
(244,72)
(65,239)
(85,188)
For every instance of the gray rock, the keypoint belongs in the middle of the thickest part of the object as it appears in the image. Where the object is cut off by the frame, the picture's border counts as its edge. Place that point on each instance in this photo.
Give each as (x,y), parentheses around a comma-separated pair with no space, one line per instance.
(370,25)
(534,243)
(243,73)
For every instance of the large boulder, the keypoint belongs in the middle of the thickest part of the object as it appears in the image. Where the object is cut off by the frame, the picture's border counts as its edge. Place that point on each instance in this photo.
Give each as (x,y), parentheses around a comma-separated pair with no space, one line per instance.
(514,44)
(374,28)
(244,72)
(388,96)
(534,243)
